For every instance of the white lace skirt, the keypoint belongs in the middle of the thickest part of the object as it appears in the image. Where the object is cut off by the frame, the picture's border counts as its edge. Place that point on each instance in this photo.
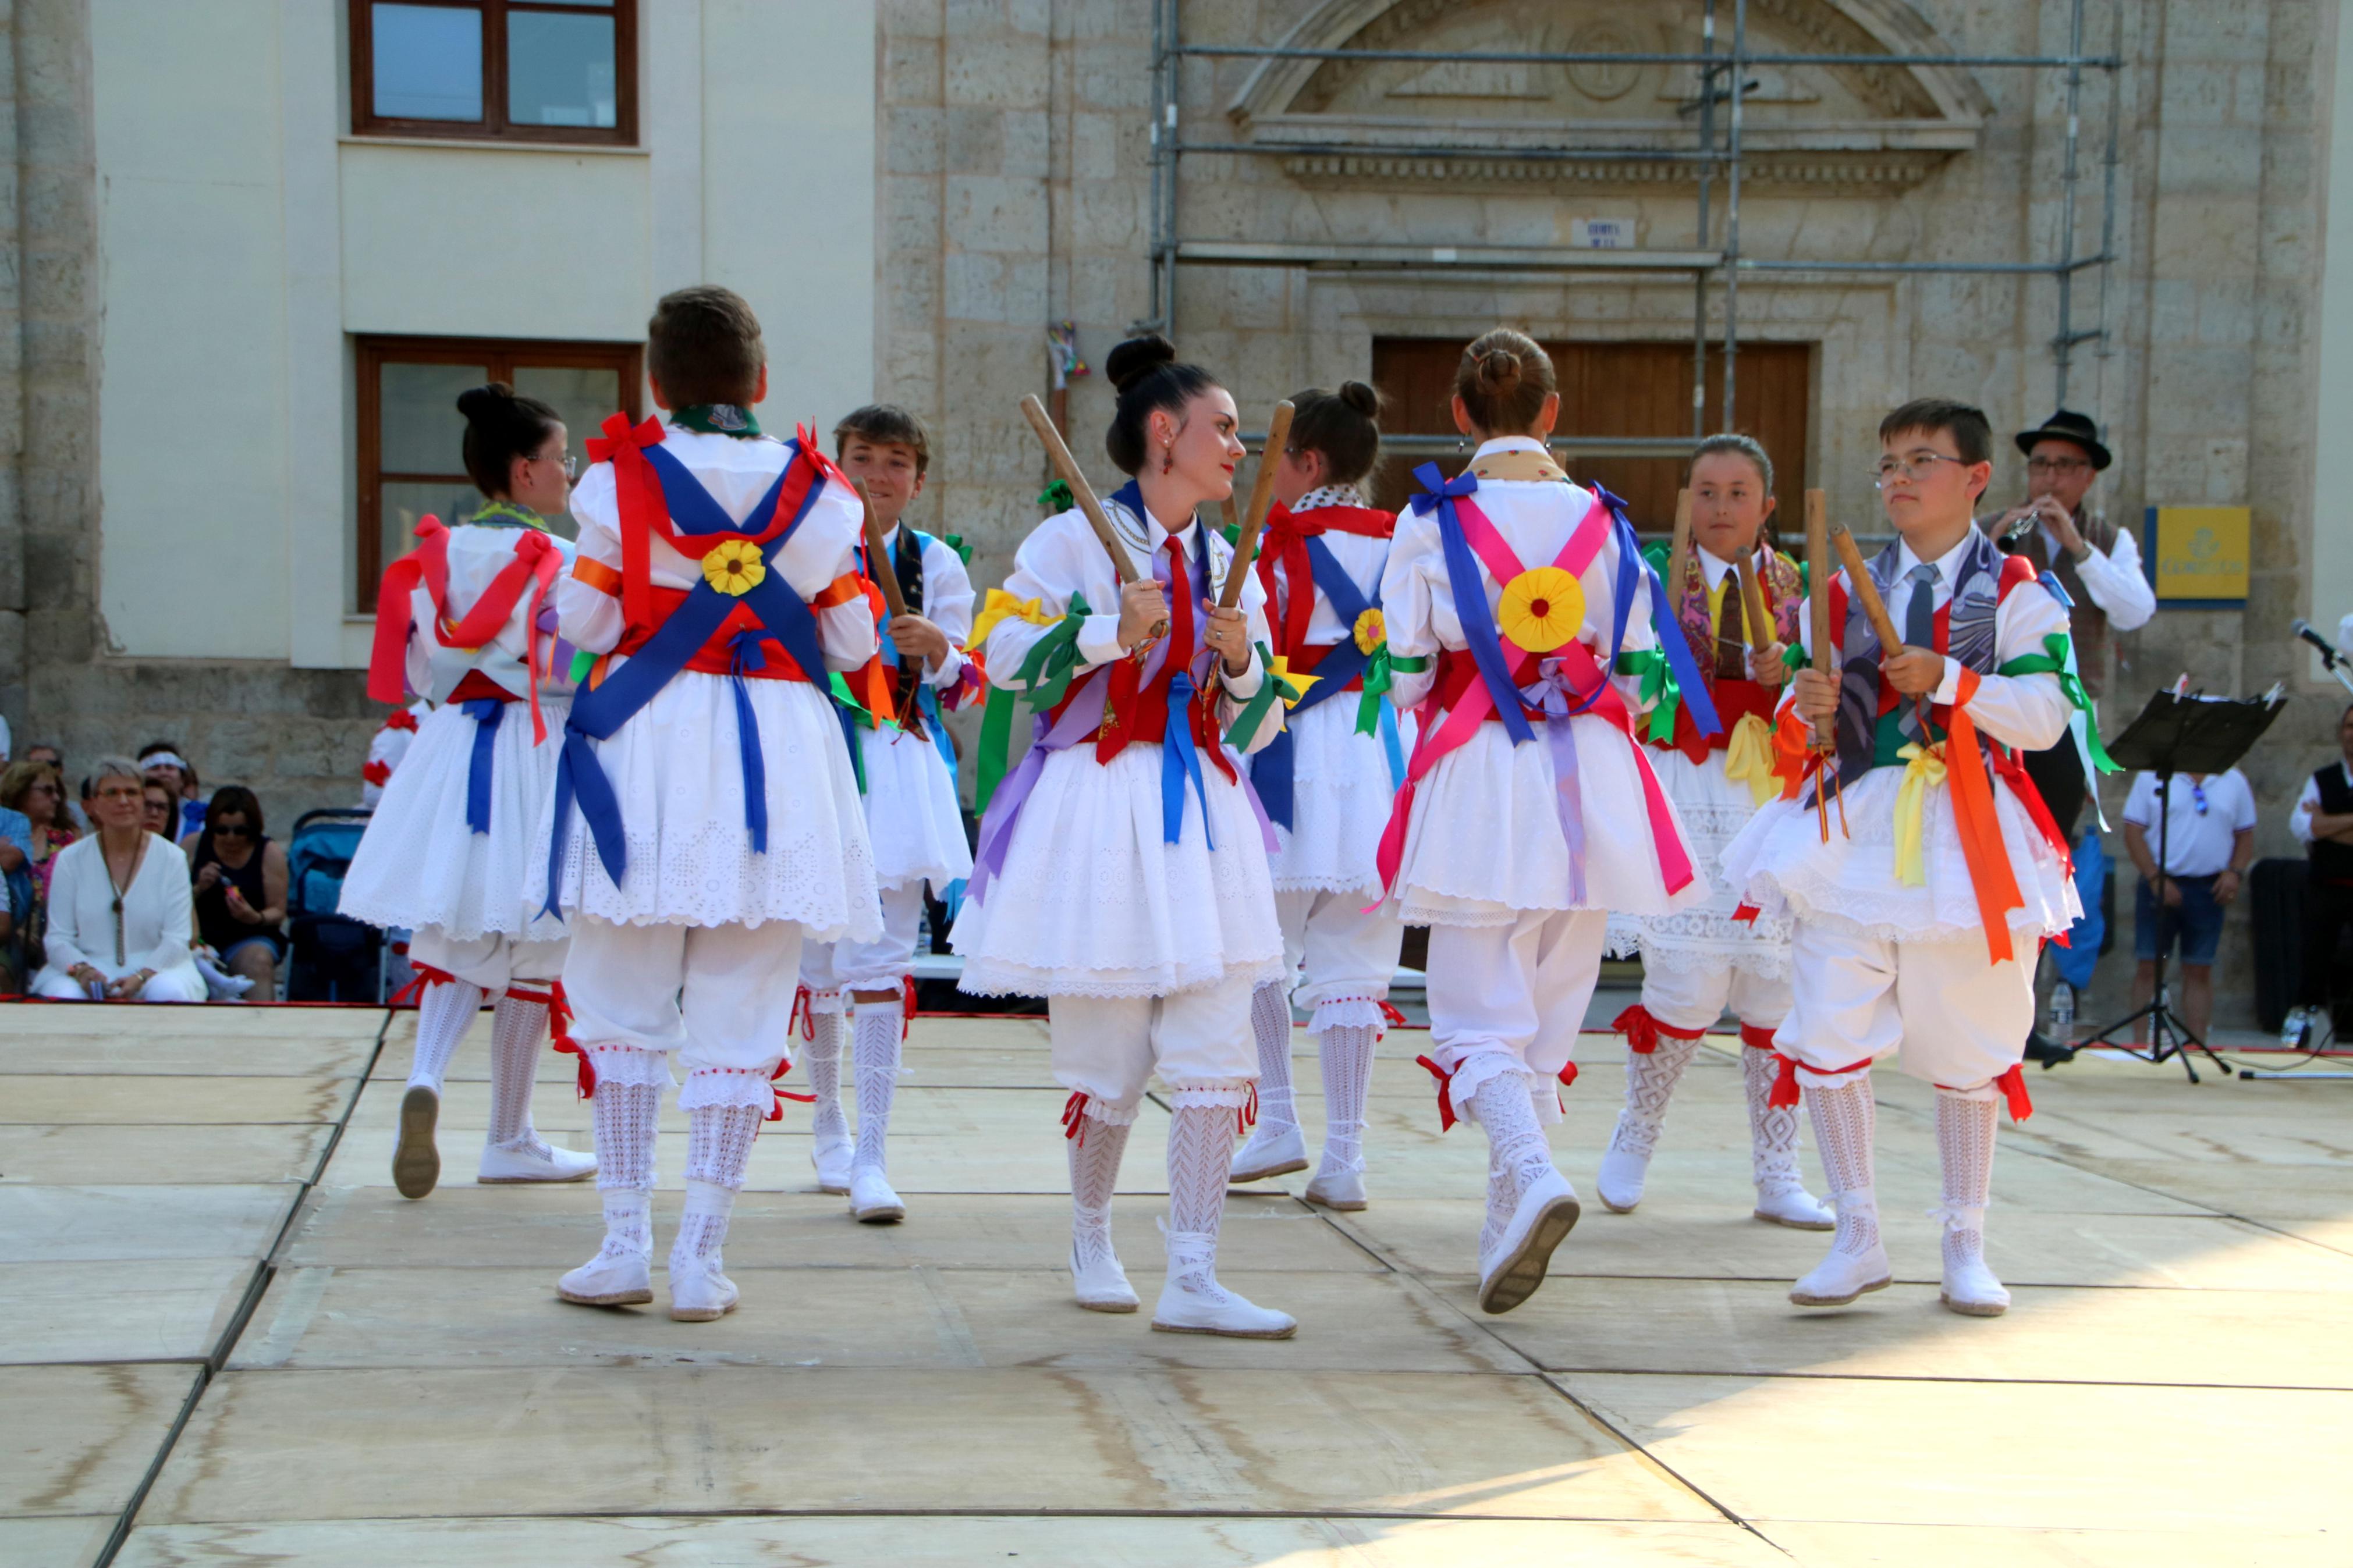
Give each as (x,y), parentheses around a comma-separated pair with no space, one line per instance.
(1484,844)
(419,865)
(1093,903)
(1714,809)
(1340,802)
(1780,863)
(677,771)
(911,817)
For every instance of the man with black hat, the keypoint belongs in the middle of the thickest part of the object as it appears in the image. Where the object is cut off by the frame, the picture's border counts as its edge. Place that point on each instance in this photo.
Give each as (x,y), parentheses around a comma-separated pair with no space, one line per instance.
(2099,565)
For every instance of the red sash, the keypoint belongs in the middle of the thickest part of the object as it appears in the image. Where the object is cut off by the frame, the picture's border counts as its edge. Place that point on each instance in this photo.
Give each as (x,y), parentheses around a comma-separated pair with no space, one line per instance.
(536,562)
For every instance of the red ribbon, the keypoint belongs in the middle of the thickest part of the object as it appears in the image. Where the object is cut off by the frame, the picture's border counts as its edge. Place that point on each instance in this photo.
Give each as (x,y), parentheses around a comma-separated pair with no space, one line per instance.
(536,562)
(1075,1118)
(413,994)
(1785,1080)
(1569,1077)
(1643,1030)
(376,773)
(1756,1037)
(1392,1017)
(401,719)
(777,1110)
(906,1005)
(802,1014)
(1283,541)
(1445,1098)
(559,1030)
(1246,1117)
(2012,1085)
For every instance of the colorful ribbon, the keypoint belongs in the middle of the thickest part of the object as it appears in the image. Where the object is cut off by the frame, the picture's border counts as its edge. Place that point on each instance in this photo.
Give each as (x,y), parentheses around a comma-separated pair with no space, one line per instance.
(486,713)
(1748,758)
(1924,769)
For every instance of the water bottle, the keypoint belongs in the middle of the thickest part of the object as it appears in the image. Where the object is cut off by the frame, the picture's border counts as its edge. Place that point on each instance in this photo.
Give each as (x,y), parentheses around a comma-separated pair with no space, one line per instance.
(2063,1010)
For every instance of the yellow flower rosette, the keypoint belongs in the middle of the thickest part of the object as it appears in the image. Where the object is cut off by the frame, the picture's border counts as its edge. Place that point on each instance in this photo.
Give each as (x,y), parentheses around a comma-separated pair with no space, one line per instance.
(734,567)
(1541,609)
(1372,632)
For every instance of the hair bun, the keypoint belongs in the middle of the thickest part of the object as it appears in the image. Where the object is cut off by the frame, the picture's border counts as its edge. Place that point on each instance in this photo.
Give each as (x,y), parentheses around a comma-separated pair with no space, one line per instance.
(1137,358)
(1360,397)
(493,401)
(1498,372)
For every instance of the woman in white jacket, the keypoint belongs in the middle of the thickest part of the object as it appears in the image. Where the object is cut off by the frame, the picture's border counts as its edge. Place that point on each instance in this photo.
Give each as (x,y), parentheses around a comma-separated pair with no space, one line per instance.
(120,914)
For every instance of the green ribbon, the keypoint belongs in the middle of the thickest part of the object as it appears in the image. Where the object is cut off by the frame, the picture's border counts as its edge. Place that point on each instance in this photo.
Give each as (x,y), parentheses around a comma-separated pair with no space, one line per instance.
(1380,673)
(955,542)
(1045,675)
(1244,729)
(583,661)
(1057,497)
(2052,661)
(717,419)
(839,685)
(1659,689)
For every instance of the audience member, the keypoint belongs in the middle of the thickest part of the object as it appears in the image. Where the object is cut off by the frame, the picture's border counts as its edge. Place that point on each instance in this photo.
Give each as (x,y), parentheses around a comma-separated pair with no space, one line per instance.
(239,876)
(69,809)
(34,790)
(2210,836)
(162,817)
(157,760)
(120,915)
(2323,822)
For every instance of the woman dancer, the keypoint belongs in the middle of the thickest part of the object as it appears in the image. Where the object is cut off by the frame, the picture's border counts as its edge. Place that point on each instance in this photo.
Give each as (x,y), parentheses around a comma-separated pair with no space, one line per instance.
(1124,879)
(1698,962)
(464,619)
(1326,782)
(1529,809)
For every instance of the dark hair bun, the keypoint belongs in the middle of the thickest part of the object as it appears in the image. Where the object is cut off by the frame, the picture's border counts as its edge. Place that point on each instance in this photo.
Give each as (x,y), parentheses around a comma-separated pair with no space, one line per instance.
(481,403)
(1361,398)
(1498,372)
(1137,358)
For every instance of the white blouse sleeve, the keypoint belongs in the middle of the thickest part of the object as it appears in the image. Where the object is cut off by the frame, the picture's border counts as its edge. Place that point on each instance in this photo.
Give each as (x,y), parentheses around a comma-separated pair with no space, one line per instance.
(947,604)
(589,617)
(2028,712)
(1416,573)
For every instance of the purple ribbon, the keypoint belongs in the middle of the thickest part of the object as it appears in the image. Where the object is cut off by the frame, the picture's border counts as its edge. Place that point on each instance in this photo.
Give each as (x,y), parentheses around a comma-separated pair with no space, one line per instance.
(1551,692)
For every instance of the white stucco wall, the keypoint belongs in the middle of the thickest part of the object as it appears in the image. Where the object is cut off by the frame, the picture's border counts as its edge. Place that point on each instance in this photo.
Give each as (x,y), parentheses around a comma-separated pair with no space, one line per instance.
(2332,510)
(246,239)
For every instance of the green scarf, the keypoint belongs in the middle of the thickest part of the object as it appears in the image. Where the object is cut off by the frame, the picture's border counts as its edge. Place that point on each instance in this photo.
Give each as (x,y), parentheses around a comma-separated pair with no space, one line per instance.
(506,514)
(717,419)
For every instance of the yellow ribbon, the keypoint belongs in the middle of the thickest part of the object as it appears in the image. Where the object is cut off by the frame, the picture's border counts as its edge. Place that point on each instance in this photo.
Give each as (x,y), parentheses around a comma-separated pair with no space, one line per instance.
(1292,685)
(1924,769)
(1003,607)
(1749,757)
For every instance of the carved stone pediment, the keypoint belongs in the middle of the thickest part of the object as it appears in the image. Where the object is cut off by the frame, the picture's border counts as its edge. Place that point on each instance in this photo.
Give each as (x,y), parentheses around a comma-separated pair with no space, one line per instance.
(1859,126)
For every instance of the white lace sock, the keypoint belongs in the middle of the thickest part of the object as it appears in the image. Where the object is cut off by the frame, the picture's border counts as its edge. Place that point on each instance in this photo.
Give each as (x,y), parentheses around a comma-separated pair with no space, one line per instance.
(1345,1051)
(626,1115)
(719,1140)
(629,1224)
(1772,1129)
(1201,1150)
(1964,1129)
(443,1014)
(876,1048)
(823,1056)
(1516,1138)
(517,1028)
(702,1225)
(1846,1122)
(1278,1108)
(1094,1177)
(1651,1078)
(1502,1197)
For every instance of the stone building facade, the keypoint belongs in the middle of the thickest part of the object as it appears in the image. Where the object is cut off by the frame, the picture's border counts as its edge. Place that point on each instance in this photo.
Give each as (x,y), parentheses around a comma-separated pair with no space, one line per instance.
(1011,185)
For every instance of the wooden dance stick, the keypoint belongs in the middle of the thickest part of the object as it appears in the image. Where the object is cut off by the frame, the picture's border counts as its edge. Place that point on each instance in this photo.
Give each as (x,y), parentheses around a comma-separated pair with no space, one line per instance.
(1278,436)
(1758,619)
(1679,550)
(1865,590)
(1819,573)
(1123,568)
(877,559)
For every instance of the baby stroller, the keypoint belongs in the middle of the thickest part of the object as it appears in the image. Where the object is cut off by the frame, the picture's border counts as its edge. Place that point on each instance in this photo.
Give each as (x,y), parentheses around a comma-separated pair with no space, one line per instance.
(334,958)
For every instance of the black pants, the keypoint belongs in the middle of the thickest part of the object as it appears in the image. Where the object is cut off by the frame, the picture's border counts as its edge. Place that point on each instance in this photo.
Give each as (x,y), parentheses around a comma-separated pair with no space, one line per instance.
(2058,772)
(2327,910)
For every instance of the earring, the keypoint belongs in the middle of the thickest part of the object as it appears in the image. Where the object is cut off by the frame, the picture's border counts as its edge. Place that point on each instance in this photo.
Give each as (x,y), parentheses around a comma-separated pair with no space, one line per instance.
(1168,457)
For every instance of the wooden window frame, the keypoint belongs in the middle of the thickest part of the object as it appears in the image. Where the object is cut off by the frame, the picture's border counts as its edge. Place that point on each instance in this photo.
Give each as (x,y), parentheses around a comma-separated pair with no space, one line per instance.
(499,357)
(494,125)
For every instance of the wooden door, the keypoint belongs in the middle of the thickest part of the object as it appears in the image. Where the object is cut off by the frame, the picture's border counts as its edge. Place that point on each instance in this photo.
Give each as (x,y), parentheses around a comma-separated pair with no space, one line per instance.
(1614,389)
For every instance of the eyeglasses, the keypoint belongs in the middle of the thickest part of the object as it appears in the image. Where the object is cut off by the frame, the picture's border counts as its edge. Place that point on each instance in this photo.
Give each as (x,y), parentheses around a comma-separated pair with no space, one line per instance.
(2056,465)
(231,830)
(1912,468)
(570,462)
(2198,797)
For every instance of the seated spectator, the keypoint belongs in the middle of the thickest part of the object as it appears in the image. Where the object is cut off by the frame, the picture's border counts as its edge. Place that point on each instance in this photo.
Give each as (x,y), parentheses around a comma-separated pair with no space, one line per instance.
(69,812)
(120,916)
(163,814)
(240,889)
(35,790)
(2210,838)
(158,761)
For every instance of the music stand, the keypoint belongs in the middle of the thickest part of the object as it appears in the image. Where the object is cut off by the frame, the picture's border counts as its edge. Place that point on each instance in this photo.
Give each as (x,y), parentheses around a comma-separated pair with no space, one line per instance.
(2191,735)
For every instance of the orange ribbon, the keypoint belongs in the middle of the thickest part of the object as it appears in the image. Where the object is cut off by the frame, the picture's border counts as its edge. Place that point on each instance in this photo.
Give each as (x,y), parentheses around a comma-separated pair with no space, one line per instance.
(1973,814)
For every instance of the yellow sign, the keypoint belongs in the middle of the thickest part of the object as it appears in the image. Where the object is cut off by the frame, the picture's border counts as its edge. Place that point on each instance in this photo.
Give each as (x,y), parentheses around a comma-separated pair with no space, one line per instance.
(2197,554)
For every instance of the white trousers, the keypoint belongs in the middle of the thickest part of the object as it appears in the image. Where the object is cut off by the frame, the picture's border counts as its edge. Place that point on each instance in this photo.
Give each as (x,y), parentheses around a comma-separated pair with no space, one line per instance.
(1349,954)
(1106,1047)
(181,983)
(722,997)
(1512,998)
(1955,1019)
(830,968)
(493,961)
(1691,990)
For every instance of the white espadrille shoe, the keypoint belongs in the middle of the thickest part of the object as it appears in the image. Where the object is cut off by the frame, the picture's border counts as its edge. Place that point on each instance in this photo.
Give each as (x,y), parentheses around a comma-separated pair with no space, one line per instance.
(1193,1302)
(1541,1219)
(617,1277)
(872,1200)
(416,1163)
(529,1160)
(701,1294)
(1275,1149)
(834,1155)
(1099,1282)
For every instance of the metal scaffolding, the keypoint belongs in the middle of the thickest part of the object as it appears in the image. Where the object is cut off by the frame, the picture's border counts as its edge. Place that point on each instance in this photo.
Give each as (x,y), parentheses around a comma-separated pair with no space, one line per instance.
(1717,149)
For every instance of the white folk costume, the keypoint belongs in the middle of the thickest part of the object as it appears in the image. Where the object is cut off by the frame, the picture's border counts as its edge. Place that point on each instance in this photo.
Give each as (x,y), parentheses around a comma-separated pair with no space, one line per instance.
(1918,926)
(1326,782)
(1122,875)
(915,824)
(1701,962)
(386,747)
(1530,809)
(706,812)
(465,620)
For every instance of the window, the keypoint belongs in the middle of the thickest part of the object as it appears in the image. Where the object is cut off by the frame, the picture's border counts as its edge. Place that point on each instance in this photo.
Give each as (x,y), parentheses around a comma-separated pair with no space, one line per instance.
(410,430)
(533,70)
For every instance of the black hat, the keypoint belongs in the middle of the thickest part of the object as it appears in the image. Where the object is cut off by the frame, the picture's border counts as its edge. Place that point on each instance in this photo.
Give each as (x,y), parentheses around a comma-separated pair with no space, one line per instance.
(2069,426)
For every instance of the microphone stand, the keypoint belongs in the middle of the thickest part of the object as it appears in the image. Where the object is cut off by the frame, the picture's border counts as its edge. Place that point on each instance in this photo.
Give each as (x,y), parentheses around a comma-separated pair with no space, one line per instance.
(2334,661)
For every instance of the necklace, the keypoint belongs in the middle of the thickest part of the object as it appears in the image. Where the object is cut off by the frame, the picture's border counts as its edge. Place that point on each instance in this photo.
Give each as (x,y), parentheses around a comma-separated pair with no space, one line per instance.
(137,858)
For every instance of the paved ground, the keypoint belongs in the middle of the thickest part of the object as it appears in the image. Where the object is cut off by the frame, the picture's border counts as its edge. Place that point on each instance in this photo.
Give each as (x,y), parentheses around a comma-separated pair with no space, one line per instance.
(209,1284)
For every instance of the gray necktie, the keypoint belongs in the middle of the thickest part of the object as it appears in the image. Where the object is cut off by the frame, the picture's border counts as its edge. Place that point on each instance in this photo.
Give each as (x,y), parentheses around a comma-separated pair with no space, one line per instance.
(1920,615)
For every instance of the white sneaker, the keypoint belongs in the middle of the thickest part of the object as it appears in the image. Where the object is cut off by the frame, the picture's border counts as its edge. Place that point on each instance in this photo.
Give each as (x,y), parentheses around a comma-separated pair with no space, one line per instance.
(1619,1181)
(1792,1205)
(701,1295)
(609,1280)
(1275,1149)
(416,1163)
(1340,1190)
(833,1158)
(1844,1276)
(1541,1219)
(871,1201)
(1193,1302)
(535,1162)
(1101,1285)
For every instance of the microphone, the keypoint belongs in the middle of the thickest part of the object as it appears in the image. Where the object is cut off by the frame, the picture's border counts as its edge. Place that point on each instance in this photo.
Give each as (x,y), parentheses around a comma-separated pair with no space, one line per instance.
(2328,653)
